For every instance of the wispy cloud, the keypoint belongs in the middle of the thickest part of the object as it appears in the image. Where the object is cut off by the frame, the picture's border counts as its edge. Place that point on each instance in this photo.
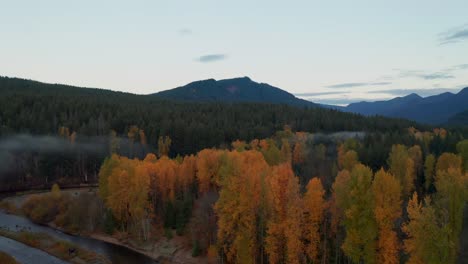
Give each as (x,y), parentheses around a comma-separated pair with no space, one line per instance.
(436,75)
(350,85)
(422,92)
(426,75)
(185,31)
(211,58)
(318,93)
(461,66)
(454,35)
(341,101)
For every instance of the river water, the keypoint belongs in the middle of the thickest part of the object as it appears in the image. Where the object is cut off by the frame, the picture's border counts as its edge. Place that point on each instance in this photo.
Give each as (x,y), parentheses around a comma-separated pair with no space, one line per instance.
(116,254)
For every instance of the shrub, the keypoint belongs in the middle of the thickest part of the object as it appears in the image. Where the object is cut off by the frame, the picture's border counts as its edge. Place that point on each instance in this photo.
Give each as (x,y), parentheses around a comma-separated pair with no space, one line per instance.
(7,259)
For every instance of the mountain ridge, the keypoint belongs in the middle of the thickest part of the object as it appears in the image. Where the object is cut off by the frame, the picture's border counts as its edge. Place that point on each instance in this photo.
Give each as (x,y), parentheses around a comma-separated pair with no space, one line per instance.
(435,109)
(240,89)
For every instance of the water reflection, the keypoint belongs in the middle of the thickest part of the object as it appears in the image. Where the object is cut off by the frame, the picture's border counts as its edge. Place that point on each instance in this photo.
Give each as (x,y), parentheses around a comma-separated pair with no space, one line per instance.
(117,254)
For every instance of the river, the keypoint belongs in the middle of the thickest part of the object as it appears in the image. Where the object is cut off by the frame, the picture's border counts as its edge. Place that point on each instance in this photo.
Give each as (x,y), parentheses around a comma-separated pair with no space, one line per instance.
(116,254)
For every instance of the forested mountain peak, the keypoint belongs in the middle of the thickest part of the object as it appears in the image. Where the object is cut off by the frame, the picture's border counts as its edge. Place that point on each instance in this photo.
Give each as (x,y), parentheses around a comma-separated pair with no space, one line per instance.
(241,89)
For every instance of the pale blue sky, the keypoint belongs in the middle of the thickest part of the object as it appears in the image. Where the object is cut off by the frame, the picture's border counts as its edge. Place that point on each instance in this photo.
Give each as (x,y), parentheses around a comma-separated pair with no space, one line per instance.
(326,51)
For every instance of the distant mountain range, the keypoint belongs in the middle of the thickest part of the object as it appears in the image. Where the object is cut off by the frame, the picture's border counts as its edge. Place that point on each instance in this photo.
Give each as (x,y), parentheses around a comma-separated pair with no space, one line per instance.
(233,90)
(436,109)
(443,109)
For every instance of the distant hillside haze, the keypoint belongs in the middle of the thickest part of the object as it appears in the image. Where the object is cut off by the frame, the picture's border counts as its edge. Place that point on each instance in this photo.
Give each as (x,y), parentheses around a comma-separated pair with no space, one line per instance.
(436,109)
(232,90)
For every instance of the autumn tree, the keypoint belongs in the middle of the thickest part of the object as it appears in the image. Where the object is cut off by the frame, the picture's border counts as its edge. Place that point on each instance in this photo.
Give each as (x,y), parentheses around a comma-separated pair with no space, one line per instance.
(314,207)
(286,154)
(163,181)
(118,199)
(298,153)
(462,149)
(270,152)
(239,145)
(126,193)
(142,135)
(240,205)
(360,224)
(415,153)
(254,144)
(208,163)
(387,209)
(106,170)
(132,134)
(283,242)
(140,207)
(448,160)
(429,171)
(187,173)
(164,145)
(402,167)
(428,241)
(450,200)
(347,159)
(338,204)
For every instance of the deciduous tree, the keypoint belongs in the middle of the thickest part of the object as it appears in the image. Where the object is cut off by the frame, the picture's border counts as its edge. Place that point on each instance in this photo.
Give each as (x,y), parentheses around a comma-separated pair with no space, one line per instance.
(361,229)
(387,193)
(429,171)
(314,207)
(283,242)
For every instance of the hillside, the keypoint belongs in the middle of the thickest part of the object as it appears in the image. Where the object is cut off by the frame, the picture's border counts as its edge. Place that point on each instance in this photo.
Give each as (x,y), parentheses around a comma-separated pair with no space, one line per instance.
(232,90)
(437,109)
(38,108)
(460,119)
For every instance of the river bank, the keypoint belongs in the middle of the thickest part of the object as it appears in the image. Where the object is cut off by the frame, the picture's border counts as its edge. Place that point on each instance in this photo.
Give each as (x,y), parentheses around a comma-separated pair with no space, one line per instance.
(25,254)
(55,247)
(162,250)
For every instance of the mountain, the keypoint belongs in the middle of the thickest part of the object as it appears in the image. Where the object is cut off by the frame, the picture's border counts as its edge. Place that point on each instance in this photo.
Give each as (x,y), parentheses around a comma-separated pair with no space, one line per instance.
(437,109)
(232,90)
(459,119)
(383,107)
(36,108)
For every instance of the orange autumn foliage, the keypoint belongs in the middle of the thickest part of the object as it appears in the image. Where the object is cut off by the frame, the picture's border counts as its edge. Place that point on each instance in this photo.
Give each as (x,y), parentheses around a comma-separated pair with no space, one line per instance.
(283,243)
(314,207)
(242,176)
(208,163)
(387,193)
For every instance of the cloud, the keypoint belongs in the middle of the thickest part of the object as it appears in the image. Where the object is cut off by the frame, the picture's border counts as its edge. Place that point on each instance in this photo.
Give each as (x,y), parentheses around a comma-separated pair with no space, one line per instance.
(211,58)
(185,31)
(454,35)
(350,85)
(436,75)
(338,101)
(317,94)
(461,66)
(426,75)
(422,92)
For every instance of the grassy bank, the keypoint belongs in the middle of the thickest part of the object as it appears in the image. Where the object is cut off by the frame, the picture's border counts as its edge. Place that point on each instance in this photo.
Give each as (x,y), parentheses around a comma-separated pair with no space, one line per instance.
(7,259)
(55,247)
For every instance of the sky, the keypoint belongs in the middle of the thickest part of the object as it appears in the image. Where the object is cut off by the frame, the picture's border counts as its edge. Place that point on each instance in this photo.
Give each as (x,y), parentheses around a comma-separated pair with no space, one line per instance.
(333,52)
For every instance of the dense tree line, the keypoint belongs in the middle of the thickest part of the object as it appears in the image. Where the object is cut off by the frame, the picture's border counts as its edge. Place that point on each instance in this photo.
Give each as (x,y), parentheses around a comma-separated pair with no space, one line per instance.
(100,118)
(37,108)
(263,214)
(290,198)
